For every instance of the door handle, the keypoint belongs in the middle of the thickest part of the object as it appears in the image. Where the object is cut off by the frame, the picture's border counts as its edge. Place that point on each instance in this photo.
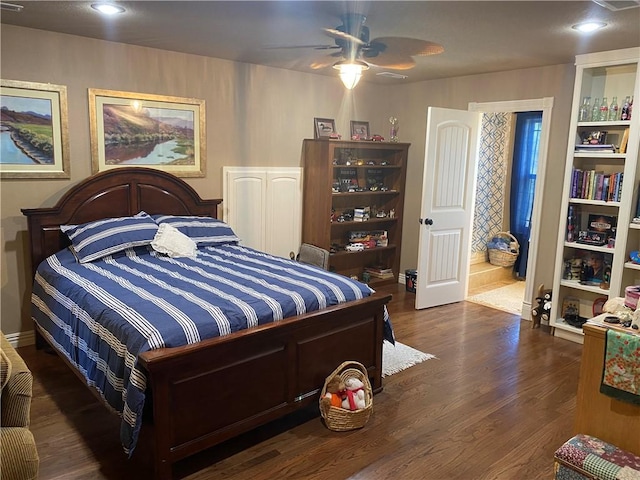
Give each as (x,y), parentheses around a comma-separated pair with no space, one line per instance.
(428,221)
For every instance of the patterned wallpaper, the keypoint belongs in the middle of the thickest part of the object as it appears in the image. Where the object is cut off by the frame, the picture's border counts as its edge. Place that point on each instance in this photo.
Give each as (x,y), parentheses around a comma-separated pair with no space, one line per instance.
(492,177)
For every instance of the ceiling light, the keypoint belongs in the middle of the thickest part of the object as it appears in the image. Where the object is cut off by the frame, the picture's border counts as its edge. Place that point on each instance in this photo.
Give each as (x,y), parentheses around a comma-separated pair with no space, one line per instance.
(350,72)
(107,8)
(588,27)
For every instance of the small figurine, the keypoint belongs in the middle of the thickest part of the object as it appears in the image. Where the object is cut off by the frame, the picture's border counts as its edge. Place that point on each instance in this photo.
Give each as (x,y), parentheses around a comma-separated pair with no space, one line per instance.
(392,213)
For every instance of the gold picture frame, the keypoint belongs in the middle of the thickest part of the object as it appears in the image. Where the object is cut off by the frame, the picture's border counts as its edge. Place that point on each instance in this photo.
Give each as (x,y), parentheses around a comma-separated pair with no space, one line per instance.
(35,130)
(153,131)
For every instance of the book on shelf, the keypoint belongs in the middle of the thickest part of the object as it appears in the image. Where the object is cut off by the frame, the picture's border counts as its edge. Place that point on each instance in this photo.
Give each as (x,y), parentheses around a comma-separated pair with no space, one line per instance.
(379,272)
(379,269)
(596,185)
(596,148)
(625,141)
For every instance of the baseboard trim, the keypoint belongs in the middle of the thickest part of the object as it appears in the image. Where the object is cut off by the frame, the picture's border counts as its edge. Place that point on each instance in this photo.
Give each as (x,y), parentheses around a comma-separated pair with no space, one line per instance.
(21,339)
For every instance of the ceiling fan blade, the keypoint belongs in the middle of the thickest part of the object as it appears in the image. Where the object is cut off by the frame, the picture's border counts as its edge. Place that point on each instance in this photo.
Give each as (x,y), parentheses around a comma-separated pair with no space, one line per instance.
(333,33)
(391,60)
(317,47)
(325,61)
(406,46)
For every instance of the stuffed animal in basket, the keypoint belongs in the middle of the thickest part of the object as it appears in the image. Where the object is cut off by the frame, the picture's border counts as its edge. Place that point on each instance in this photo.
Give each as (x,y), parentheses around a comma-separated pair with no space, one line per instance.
(335,392)
(355,397)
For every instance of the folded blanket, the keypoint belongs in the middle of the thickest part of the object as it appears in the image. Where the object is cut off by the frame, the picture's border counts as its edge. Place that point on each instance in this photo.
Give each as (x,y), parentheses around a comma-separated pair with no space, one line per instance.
(621,373)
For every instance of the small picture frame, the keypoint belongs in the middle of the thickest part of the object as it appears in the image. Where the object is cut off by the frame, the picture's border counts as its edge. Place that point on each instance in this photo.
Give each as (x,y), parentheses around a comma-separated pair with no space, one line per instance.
(324,127)
(360,130)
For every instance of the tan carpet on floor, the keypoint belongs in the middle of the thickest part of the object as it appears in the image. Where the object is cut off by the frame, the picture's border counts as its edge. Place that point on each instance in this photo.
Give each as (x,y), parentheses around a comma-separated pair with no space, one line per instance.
(508,298)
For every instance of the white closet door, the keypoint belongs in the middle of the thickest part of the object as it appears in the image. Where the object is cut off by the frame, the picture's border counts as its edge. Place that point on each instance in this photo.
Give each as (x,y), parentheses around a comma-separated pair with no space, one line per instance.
(263,206)
(283,211)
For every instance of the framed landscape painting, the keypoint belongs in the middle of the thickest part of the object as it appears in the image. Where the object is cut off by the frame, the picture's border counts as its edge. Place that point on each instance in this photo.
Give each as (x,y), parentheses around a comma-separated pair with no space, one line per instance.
(153,131)
(34,128)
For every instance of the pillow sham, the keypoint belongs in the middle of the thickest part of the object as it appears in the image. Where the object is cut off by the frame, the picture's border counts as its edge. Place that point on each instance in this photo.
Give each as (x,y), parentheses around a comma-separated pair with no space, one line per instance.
(205,231)
(172,242)
(94,240)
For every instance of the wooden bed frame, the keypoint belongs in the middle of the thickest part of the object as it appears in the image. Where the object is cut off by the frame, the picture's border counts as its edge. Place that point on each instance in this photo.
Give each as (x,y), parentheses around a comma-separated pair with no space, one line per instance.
(206,393)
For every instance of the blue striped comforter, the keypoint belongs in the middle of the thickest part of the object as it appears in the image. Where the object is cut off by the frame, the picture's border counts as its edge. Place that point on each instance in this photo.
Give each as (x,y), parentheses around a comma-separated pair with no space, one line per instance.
(101,315)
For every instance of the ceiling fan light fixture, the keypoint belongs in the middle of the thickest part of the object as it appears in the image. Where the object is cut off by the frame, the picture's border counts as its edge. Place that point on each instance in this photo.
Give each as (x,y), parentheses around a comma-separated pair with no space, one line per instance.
(351,72)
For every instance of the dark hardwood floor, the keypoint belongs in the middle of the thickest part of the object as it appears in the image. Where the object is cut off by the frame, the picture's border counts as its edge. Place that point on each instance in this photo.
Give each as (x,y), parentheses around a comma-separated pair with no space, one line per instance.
(496,403)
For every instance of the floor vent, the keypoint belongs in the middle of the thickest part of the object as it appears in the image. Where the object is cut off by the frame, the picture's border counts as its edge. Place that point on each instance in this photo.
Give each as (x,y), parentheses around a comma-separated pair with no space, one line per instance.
(617,5)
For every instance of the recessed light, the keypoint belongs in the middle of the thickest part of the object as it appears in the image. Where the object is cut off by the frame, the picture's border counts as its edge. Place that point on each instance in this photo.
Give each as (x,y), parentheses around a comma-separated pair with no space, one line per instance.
(588,27)
(107,8)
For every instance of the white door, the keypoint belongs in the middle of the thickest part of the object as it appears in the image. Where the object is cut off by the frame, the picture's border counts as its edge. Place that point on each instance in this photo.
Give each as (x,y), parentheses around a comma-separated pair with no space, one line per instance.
(263,205)
(283,211)
(244,201)
(446,214)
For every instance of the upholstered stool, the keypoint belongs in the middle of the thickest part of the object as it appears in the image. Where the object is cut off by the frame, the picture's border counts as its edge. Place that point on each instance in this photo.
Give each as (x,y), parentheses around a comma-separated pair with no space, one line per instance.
(587,457)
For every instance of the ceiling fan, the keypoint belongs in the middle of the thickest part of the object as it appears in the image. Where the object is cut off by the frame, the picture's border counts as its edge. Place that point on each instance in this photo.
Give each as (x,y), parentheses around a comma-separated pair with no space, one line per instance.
(355,52)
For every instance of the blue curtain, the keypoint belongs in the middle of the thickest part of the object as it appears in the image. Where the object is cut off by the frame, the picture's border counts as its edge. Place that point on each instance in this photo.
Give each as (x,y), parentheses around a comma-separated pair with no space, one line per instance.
(523,182)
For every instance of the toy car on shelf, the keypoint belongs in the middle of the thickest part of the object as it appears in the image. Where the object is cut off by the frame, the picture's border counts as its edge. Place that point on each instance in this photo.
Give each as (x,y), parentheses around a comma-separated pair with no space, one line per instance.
(377,138)
(354,247)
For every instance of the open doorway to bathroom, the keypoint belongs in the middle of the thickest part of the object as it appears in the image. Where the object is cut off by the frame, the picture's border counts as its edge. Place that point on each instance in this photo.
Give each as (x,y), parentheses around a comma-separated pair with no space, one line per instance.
(512,158)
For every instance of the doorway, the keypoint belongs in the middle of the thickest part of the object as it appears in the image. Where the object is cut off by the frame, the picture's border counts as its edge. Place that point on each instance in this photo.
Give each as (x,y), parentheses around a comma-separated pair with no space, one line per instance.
(504,284)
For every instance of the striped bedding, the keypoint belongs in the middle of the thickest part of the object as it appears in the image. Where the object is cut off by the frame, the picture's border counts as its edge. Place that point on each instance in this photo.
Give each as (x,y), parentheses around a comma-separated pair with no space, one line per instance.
(101,315)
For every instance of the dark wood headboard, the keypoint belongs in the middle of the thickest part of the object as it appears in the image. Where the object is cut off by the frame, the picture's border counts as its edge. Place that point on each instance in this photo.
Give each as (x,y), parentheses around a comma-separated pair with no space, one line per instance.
(119,192)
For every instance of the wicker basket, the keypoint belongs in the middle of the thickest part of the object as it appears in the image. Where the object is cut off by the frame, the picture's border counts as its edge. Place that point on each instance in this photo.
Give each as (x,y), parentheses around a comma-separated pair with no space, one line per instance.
(504,258)
(340,419)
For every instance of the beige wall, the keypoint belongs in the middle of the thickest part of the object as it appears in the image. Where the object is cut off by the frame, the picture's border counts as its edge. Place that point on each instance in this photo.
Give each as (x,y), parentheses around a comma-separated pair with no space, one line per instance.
(255,116)
(412,102)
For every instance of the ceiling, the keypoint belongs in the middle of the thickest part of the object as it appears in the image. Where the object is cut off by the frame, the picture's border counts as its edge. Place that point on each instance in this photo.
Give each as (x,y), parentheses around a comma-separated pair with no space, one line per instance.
(478,36)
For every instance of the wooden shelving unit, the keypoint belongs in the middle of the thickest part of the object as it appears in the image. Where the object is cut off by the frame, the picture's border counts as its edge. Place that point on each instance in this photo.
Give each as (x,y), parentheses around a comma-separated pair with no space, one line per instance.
(324,162)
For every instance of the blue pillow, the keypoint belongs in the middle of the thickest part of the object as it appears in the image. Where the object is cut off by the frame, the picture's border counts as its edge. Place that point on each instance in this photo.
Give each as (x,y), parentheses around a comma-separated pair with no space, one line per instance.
(93,240)
(205,231)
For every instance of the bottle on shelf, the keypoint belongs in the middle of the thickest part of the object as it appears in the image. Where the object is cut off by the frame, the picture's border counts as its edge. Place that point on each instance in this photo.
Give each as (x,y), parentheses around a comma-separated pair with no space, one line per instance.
(624,111)
(571,230)
(630,107)
(604,110)
(584,115)
(613,110)
(595,110)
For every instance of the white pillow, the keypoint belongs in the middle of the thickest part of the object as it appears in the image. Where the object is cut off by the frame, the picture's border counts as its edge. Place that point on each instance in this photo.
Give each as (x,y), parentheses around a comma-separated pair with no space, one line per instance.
(174,243)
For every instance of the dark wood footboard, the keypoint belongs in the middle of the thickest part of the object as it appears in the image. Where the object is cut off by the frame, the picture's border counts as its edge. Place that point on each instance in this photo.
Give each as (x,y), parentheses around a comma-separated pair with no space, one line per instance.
(206,393)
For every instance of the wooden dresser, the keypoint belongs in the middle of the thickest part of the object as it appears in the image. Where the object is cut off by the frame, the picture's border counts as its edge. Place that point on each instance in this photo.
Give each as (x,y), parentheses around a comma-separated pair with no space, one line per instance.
(597,414)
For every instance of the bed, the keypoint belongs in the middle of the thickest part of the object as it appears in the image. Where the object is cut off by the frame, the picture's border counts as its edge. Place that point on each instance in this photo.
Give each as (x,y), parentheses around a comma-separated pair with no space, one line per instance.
(210,388)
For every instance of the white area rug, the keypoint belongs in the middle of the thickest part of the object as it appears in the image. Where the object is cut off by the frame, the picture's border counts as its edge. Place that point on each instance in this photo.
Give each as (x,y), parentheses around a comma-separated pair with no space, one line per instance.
(508,298)
(400,357)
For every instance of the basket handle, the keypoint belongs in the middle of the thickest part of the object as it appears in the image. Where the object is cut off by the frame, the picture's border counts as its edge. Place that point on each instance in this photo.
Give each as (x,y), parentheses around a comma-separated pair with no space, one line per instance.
(343,366)
(512,237)
(351,364)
